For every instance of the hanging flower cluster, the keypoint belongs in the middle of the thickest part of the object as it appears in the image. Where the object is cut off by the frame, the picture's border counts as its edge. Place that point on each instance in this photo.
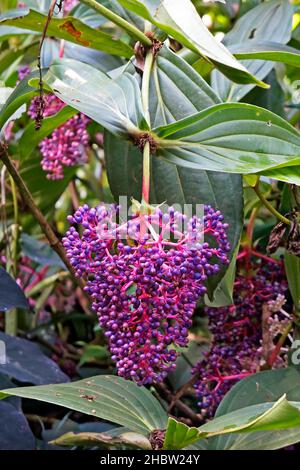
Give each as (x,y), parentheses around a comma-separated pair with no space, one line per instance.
(67,145)
(239,347)
(145,285)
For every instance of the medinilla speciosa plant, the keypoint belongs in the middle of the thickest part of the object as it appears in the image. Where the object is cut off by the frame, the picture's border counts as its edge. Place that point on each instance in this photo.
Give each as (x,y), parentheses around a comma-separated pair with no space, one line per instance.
(142,95)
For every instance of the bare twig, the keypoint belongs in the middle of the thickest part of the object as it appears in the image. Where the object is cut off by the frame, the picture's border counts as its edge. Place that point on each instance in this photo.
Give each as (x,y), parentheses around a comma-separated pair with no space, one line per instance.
(74,195)
(41,102)
(182,391)
(182,407)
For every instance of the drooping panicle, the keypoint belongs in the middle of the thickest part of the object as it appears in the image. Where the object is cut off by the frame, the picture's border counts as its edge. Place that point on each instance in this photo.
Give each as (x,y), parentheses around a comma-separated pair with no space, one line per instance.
(143,283)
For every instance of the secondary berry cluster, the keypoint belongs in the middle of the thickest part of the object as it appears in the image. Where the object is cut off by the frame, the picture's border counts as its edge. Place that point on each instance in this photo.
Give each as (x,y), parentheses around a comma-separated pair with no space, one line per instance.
(67,145)
(238,348)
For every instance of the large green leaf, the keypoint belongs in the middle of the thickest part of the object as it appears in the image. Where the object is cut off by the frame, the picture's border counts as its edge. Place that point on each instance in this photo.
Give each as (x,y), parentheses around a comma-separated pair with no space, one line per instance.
(268,50)
(262,387)
(262,417)
(177,91)
(289,174)
(128,15)
(115,104)
(180,19)
(268,21)
(233,138)
(68,28)
(107,397)
(222,296)
(93,439)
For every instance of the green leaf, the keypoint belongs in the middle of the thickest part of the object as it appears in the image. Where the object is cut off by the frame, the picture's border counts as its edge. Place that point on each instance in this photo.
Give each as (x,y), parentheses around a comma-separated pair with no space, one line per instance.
(177,91)
(68,28)
(223,293)
(39,5)
(115,104)
(32,137)
(250,30)
(9,56)
(40,252)
(92,353)
(180,19)
(145,8)
(88,15)
(21,94)
(233,138)
(268,51)
(272,99)
(179,435)
(289,174)
(263,417)
(107,397)
(292,269)
(5,93)
(44,191)
(93,439)
(8,4)
(258,388)
(129,16)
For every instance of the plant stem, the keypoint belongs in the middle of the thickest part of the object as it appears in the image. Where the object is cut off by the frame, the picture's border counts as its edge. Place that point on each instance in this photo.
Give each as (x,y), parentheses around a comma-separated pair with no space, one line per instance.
(146,173)
(46,228)
(11,316)
(269,206)
(15,228)
(145,102)
(110,15)
(250,227)
(146,84)
(276,351)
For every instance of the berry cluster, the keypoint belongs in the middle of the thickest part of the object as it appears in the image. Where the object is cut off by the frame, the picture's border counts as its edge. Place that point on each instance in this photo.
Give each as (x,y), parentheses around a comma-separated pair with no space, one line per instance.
(67,144)
(237,349)
(144,277)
